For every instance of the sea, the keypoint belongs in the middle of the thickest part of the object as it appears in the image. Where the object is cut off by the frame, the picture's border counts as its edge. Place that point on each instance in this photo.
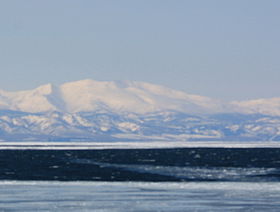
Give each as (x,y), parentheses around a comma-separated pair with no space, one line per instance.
(145,176)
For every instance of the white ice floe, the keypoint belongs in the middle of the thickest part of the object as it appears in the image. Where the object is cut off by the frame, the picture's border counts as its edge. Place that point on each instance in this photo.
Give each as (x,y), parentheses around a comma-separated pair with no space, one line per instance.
(134,145)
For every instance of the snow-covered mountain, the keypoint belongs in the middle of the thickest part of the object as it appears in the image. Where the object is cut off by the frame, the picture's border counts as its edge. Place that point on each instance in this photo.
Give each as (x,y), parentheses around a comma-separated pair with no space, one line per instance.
(90,95)
(261,106)
(97,110)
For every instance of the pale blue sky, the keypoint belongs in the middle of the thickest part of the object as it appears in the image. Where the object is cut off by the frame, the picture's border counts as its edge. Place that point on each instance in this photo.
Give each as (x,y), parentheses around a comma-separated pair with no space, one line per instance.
(217,48)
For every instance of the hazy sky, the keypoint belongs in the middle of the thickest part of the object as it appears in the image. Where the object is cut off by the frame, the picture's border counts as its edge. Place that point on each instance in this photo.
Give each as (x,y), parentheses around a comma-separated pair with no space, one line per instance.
(217,48)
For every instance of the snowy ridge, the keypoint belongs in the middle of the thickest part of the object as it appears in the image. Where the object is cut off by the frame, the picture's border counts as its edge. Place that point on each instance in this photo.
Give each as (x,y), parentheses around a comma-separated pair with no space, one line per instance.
(89,110)
(90,95)
(162,126)
(262,106)
(125,96)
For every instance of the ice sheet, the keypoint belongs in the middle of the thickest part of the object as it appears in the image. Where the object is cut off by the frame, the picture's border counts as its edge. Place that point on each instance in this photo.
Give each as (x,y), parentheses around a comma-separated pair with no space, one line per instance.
(134,145)
(137,196)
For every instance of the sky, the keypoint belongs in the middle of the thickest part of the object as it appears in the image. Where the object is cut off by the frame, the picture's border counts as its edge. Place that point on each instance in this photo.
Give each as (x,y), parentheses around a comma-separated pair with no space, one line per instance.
(222,49)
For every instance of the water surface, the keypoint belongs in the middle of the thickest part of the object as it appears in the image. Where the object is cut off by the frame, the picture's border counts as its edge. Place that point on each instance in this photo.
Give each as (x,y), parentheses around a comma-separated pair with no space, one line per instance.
(91,178)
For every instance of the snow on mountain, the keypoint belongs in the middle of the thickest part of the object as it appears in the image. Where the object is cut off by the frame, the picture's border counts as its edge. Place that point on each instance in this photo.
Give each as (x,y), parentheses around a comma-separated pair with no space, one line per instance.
(125,97)
(137,97)
(262,106)
(162,126)
(89,110)
(28,101)
(90,95)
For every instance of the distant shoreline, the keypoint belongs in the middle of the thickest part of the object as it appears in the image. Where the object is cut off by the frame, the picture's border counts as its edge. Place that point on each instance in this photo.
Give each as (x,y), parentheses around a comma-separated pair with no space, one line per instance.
(132,145)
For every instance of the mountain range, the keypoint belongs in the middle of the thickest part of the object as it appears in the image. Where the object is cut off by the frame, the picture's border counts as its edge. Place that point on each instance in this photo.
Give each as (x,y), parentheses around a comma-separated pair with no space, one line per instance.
(90,110)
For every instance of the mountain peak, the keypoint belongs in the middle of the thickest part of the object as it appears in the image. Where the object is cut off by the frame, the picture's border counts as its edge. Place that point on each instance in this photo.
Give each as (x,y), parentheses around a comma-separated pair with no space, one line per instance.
(45,89)
(125,97)
(130,96)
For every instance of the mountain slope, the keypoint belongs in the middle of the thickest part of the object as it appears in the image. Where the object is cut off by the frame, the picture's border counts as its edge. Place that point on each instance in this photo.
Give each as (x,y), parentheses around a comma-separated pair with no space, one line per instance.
(162,126)
(262,106)
(90,95)
(36,100)
(89,110)
(125,97)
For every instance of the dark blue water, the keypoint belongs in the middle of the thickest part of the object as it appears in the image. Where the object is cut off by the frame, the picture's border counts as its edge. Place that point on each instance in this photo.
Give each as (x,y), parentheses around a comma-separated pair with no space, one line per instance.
(145,165)
(171,179)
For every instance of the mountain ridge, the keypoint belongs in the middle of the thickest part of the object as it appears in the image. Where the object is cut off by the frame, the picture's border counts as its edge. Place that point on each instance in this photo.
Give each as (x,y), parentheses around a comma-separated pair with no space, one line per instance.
(89,110)
(90,95)
(125,96)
